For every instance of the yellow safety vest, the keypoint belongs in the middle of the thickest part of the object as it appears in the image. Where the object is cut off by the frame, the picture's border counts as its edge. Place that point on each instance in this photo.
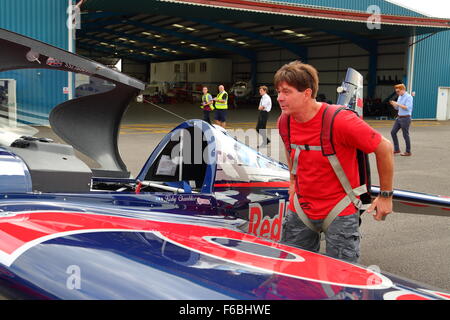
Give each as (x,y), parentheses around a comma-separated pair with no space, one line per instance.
(221,105)
(205,99)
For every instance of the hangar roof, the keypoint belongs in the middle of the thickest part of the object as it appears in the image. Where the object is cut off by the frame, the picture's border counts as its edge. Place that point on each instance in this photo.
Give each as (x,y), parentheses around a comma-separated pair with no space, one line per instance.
(159,30)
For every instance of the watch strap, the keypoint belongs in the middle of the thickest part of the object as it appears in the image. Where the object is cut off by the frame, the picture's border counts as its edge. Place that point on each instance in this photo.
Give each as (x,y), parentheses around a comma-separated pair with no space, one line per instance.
(386,194)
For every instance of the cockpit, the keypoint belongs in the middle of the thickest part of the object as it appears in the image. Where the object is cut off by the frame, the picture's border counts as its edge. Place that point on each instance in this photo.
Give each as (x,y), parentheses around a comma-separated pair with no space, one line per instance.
(196,157)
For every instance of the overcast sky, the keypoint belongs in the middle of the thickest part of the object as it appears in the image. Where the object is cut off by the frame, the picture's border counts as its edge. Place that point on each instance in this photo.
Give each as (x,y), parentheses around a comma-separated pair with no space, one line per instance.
(432,8)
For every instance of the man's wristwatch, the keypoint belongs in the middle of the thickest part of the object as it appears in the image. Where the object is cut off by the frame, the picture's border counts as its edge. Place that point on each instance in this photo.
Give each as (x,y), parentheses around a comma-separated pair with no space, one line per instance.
(386,194)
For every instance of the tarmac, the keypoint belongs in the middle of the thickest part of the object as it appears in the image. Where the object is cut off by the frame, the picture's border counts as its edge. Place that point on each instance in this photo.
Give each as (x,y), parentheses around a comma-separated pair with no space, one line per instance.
(412,246)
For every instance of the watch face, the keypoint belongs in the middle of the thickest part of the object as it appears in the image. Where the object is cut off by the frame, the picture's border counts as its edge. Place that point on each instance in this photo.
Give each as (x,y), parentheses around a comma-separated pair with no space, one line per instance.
(386,194)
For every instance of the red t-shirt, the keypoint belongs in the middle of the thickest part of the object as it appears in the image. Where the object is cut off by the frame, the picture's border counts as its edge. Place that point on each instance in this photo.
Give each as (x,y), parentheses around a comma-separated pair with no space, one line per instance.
(318,188)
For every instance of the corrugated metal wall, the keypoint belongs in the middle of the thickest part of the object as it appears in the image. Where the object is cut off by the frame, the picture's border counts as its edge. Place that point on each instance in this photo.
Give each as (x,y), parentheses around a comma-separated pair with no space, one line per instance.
(357,5)
(431,71)
(38,91)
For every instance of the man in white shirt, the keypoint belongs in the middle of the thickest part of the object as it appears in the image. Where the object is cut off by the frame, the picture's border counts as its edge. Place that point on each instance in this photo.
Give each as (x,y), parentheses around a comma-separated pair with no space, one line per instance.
(265,105)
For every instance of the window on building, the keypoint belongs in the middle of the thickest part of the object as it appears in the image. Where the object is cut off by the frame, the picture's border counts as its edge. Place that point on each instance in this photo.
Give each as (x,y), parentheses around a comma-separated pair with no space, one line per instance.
(192,67)
(177,68)
(202,66)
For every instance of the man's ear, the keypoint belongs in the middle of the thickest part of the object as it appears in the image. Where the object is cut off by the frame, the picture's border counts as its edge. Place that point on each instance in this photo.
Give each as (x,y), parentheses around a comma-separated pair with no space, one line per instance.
(308,93)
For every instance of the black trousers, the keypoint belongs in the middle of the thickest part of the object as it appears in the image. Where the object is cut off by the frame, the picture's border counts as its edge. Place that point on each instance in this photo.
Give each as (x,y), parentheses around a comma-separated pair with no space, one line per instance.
(206,114)
(261,125)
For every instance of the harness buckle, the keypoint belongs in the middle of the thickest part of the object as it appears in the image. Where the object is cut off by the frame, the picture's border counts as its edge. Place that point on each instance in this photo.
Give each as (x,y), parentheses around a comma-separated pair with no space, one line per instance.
(358,204)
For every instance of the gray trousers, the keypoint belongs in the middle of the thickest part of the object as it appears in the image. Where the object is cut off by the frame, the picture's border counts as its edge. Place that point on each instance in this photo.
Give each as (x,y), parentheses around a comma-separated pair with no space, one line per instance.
(342,237)
(401,123)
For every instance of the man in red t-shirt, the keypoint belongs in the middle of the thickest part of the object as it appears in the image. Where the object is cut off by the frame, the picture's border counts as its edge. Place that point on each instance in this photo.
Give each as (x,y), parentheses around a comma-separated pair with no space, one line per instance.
(315,183)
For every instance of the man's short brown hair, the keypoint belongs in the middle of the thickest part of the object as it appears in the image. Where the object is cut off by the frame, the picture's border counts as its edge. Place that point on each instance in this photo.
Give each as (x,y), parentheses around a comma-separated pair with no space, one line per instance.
(264,88)
(400,86)
(298,75)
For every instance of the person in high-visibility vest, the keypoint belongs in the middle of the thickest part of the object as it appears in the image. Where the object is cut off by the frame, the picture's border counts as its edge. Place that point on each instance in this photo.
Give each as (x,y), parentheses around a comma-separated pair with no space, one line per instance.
(221,105)
(207,104)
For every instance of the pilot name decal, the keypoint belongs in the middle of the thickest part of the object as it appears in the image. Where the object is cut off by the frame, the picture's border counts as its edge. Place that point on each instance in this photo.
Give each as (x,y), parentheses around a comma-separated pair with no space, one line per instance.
(180,198)
(263,226)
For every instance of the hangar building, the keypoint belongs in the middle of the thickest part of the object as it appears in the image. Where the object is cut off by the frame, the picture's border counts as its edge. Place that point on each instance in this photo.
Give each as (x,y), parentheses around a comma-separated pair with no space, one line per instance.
(194,42)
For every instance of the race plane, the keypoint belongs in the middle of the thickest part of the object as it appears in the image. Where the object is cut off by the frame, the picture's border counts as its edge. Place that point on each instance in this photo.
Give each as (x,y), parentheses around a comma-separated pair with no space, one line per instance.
(202,220)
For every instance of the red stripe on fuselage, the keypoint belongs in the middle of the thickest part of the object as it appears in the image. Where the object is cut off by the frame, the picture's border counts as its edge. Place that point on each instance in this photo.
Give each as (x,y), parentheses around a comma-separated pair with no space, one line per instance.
(280,184)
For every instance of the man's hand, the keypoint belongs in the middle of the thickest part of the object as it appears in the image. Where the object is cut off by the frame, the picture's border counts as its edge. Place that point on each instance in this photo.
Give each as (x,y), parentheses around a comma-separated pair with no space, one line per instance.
(380,208)
(397,105)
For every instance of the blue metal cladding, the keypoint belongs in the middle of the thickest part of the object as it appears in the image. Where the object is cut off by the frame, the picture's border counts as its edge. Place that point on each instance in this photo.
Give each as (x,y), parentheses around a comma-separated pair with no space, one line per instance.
(356,5)
(431,70)
(38,91)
